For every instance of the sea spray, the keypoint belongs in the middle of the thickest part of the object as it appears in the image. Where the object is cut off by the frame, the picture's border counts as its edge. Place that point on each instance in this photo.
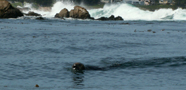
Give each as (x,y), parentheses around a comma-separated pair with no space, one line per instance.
(56,8)
(129,12)
(126,11)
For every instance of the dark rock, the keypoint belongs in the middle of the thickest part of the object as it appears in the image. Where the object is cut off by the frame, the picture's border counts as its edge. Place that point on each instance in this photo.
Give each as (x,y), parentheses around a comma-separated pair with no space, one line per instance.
(40,18)
(119,18)
(110,18)
(57,15)
(33,14)
(91,18)
(8,11)
(103,18)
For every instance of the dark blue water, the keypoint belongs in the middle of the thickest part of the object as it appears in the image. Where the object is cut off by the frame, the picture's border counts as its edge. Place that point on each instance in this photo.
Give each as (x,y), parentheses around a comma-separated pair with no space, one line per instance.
(140,55)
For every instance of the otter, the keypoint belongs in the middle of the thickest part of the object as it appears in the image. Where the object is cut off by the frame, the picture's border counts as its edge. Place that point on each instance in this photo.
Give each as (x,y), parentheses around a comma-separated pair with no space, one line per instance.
(81,67)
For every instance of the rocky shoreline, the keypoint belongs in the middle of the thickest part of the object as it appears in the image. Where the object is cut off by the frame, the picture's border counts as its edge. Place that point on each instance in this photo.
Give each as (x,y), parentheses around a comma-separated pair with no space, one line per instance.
(8,11)
(81,13)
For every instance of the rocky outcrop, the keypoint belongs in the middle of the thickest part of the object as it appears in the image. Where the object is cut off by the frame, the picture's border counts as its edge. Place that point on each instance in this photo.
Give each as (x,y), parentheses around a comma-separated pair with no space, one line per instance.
(32,14)
(112,17)
(78,12)
(81,13)
(63,13)
(8,11)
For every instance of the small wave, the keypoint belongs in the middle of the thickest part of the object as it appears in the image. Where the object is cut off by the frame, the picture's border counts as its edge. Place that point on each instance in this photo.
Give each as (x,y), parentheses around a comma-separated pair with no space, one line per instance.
(51,50)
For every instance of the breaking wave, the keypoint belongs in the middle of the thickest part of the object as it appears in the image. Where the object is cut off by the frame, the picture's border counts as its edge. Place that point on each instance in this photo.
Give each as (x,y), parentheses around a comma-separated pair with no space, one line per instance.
(127,11)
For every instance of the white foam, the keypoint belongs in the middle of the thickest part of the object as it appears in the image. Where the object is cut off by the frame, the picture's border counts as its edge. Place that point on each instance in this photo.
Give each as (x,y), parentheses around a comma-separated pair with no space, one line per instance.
(127,11)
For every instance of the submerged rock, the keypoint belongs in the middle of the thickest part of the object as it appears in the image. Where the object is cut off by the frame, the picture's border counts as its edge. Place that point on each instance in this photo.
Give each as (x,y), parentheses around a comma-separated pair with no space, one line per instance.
(40,18)
(8,11)
(112,17)
(32,14)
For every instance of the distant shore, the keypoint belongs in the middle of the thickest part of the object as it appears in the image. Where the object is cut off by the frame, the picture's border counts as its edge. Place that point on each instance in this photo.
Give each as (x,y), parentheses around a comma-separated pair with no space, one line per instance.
(155,7)
(143,7)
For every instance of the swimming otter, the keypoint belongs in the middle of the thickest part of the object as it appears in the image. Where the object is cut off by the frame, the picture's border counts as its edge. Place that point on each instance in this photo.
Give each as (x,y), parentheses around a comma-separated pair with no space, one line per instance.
(78,66)
(81,67)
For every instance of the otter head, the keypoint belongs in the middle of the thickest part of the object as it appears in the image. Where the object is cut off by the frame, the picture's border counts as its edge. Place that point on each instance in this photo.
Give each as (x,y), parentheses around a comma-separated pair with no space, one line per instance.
(78,66)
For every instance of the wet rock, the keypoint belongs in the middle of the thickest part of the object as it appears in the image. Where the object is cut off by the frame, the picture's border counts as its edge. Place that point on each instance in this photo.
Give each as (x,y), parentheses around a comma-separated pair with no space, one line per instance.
(57,15)
(33,14)
(78,12)
(110,18)
(102,18)
(71,14)
(8,11)
(119,18)
(63,13)
(40,18)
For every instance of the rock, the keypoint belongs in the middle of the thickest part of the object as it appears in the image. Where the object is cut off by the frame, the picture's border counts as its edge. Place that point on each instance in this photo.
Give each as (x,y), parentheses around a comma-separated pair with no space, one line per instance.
(39,18)
(57,15)
(110,18)
(71,14)
(33,14)
(63,13)
(8,11)
(119,18)
(80,13)
(102,18)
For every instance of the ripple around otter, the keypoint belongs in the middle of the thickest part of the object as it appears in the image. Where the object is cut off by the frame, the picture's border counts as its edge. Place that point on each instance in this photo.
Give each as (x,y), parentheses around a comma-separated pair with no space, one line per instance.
(137,63)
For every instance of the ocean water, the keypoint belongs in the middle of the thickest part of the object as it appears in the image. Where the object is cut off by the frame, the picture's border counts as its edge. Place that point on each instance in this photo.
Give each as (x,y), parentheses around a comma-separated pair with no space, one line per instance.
(145,53)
